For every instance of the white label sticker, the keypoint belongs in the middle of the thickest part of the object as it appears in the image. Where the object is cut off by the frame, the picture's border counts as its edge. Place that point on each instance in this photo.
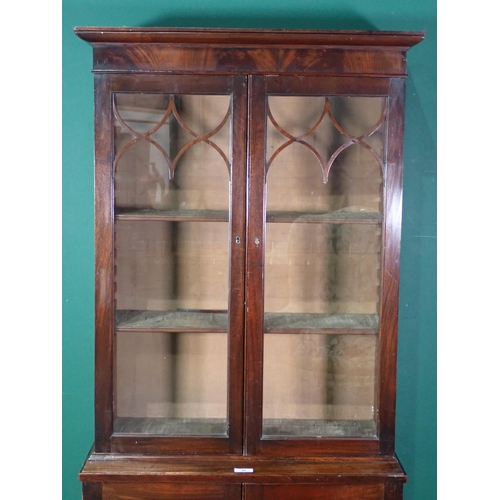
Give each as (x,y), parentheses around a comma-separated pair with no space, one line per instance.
(242,469)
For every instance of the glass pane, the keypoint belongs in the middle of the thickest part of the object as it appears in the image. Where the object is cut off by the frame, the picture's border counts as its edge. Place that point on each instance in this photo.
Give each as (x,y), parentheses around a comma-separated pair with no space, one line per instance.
(325,154)
(172,164)
(319,385)
(172,266)
(172,152)
(171,383)
(322,268)
(322,264)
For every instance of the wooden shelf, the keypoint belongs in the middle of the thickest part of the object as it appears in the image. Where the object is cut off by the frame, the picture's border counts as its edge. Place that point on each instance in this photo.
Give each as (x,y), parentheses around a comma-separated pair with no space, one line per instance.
(271,427)
(171,426)
(173,215)
(337,217)
(321,323)
(217,322)
(170,321)
(133,468)
(318,428)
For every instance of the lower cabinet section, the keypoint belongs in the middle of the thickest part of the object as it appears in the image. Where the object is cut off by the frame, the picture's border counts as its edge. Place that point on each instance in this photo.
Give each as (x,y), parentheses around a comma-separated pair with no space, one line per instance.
(314,492)
(168,491)
(116,477)
(211,491)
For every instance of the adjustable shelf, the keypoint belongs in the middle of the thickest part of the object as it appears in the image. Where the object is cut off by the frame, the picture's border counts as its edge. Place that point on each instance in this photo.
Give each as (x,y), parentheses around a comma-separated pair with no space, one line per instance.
(141,215)
(336,217)
(170,321)
(178,321)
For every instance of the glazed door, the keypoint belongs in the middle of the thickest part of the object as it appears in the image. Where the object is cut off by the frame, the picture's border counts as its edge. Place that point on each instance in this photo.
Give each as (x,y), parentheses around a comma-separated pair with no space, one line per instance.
(318,197)
(172,182)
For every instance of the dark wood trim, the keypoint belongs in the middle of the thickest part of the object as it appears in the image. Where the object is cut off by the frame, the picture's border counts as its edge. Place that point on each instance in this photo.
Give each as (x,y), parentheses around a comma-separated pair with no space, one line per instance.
(249,51)
(91,491)
(168,58)
(104,265)
(198,60)
(256,214)
(172,84)
(253,491)
(182,445)
(320,491)
(259,37)
(393,491)
(389,295)
(171,491)
(344,62)
(340,470)
(314,447)
(327,85)
(237,266)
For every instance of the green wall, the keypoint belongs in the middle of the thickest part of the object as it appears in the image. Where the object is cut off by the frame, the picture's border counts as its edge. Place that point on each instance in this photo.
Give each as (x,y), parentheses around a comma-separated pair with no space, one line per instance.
(416,405)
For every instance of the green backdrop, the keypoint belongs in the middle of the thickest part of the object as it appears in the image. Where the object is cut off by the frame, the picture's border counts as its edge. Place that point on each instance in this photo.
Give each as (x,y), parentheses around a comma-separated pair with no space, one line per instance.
(416,404)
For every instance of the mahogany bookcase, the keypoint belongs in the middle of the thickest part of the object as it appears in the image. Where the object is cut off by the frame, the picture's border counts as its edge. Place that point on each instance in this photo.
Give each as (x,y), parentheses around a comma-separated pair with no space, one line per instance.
(248,195)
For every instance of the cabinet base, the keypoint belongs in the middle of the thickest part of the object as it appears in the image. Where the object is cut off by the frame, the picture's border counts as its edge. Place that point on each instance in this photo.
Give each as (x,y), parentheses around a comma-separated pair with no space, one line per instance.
(128,477)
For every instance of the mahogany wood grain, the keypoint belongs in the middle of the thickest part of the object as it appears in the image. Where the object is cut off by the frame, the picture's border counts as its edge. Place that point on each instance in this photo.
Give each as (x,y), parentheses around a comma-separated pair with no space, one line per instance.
(393,491)
(315,492)
(367,62)
(259,37)
(174,84)
(91,491)
(256,214)
(184,60)
(237,266)
(104,265)
(326,85)
(165,491)
(310,447)
(389,295)
(339,470)
(168,58)
(236,51)
(177,445)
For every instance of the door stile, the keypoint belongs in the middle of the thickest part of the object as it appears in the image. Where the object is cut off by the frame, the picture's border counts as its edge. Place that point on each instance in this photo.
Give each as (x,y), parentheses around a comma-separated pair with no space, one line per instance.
(255,263)
(237,266)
